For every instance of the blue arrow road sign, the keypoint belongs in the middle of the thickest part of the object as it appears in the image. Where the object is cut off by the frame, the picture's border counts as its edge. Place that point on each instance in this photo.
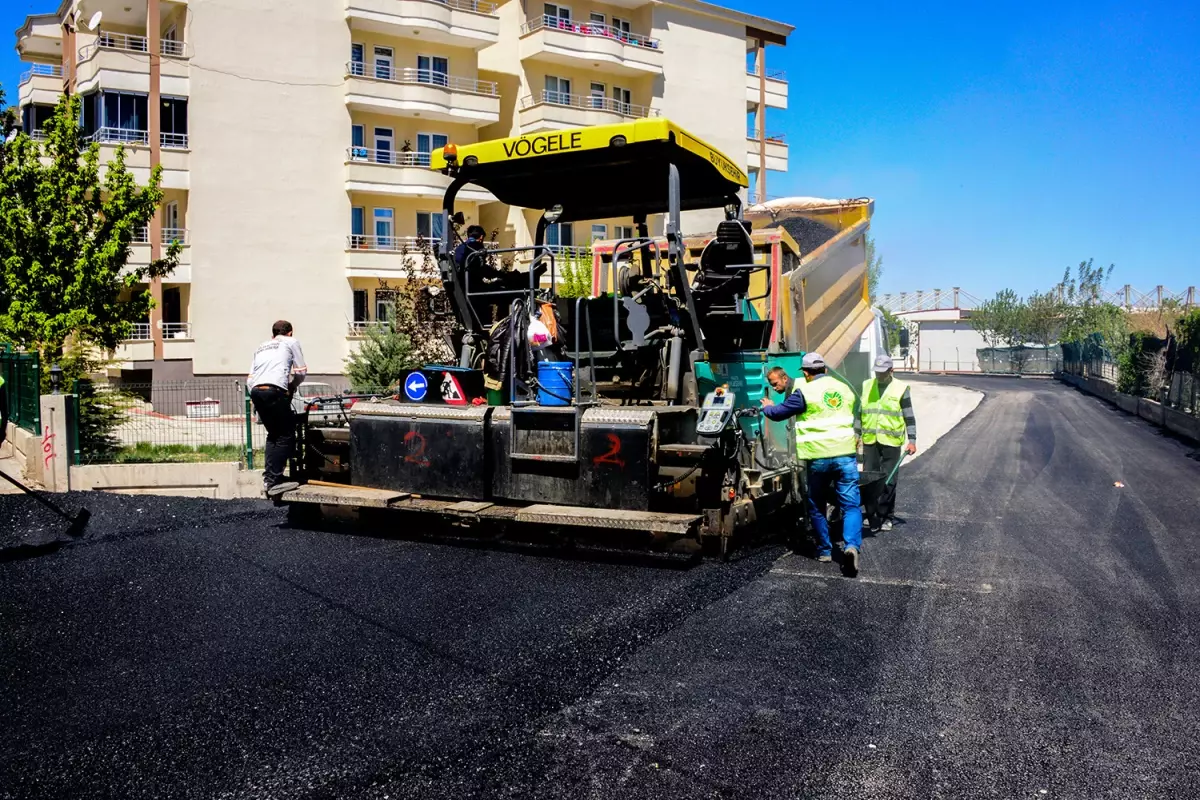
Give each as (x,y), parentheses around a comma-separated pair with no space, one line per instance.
(415,386)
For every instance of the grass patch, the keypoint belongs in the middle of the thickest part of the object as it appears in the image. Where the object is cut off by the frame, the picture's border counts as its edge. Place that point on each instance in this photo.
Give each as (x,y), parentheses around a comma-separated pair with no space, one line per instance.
(148,453)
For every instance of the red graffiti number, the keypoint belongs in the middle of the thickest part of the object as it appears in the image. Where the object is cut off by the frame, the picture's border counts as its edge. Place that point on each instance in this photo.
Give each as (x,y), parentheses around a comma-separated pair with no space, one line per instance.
(614,449)
(416,449)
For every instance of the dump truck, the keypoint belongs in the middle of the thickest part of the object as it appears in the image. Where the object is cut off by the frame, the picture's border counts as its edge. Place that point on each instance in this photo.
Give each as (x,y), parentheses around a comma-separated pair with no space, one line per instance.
(629,417)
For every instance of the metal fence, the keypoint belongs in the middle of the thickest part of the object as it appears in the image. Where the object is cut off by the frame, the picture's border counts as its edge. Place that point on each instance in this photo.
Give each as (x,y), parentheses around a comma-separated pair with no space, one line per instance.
(1183,393)
(992,361)
(168,422)
(22,373)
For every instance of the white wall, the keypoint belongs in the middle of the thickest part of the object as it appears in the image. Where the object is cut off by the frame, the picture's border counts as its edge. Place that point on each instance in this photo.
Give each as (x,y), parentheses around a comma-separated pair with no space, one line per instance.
(947,344)
(268,210)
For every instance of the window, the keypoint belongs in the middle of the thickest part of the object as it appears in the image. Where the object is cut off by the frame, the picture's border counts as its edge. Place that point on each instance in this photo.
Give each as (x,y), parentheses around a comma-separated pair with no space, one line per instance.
(560,234)
(621,24)
(385,305)
(357,227)
(171,227)
(621,101)
(557,16)
(356,60)
(126,112)
(598,22)
(599,232)
(558,91)
(433,70)
(358,142)
(429,225)
(426,144)
(170,35)
(33,117)
(360,305)
(596,99)
(174,115)
(384,67)
(623,232)
(385,228)
(383,146)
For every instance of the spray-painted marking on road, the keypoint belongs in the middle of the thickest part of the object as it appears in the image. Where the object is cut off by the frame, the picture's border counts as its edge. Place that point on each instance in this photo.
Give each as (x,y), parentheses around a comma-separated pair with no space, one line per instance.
(977,588)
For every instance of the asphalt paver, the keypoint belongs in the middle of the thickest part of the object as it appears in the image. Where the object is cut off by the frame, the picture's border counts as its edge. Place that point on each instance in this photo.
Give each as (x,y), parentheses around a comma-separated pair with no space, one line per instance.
(1029,631)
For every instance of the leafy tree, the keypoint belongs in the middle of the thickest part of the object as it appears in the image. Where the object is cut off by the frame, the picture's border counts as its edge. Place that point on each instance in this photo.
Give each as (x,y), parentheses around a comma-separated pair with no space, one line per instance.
(1043,319)
(384,355)
(65,236)
(891,326)
(874,269)
(575,274)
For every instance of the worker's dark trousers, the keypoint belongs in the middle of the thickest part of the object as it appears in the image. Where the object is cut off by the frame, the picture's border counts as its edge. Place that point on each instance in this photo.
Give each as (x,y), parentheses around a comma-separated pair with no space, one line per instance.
(880,498)
(274,408)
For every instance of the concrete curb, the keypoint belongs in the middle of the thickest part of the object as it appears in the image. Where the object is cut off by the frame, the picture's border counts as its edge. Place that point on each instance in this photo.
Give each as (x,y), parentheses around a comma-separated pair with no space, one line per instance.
(1183,425)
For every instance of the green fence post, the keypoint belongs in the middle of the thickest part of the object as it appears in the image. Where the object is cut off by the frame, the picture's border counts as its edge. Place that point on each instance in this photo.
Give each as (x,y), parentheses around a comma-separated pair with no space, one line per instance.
(249,431)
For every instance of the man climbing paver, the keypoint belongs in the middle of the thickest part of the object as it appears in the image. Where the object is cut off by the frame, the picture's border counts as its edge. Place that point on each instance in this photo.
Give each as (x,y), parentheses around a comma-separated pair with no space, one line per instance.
(825,439)
(887,420)
(278,369)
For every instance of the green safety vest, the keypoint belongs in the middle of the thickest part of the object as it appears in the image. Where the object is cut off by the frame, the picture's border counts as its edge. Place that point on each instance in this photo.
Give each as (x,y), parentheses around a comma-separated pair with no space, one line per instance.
(826,428)
(882,418)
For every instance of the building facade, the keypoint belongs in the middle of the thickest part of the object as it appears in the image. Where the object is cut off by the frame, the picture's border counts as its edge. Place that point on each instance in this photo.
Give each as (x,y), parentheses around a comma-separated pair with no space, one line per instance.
(294,137)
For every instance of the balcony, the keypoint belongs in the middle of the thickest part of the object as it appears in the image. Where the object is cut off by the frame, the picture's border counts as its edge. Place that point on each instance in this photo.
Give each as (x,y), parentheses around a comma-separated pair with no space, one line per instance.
(357,330)
(41,84)
(568,43)
(777,152)
(460,23)
(777,89)
(173,156)
(547,111)
(40,37)
(429,94)
(121,62)
(389,256)
(177,343)
(140,252)
(403,174)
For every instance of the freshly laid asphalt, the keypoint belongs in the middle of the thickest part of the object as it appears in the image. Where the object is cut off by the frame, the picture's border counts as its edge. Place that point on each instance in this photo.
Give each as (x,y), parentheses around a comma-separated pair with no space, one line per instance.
(1030,631)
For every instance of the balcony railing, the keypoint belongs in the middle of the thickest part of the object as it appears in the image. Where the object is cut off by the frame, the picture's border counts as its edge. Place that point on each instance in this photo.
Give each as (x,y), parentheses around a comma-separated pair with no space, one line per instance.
(169,235)
(171,141)
(593,102)
(422,77)
(361,327)
(141,332)
(598,29)
(177,330)
(47,70)
(392,158)
(387,244)
(772,74)
(131,43)
(771,138)
(476,6)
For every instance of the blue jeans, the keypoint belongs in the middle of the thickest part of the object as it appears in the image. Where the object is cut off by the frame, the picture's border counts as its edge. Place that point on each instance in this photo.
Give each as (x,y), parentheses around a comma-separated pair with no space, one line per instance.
(841,474)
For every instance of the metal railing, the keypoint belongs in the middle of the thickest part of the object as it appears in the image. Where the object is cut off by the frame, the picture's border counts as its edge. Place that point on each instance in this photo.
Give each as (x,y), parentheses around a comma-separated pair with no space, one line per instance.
(475,6)
(387,244)
(45,70)
(771,138)
(177,330)
(360,328)
(108,135)
(392,158)
(140,333)
(597,29)
(21,374)
(931,300)
(142,235)
(131,43)
(421,77)
(38,135)
(772,74)
(1125,297)
(588,102)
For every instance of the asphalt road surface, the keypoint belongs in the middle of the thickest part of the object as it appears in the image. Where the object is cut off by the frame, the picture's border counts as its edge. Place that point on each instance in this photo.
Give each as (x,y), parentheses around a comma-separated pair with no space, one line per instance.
(1031,631)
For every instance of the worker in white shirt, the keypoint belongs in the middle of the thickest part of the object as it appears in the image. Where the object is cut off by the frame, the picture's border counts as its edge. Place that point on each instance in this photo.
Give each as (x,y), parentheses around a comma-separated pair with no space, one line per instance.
(277,370)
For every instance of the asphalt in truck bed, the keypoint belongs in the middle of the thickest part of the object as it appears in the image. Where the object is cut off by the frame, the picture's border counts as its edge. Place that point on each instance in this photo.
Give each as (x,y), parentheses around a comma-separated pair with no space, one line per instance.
(1031,631)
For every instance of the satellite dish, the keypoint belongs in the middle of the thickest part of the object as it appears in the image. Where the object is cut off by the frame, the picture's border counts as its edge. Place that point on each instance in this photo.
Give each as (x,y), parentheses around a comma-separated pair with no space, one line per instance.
(12,135)
(94,22)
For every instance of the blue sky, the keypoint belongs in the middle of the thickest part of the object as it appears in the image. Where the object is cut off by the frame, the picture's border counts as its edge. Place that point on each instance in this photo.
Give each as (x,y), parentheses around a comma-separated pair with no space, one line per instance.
(1002,142)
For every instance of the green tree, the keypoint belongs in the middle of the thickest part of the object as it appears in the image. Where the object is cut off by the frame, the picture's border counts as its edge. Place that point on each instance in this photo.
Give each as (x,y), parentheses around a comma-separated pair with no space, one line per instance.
(575,274)
(874,269)
(1043,318)
(65,236)
(384,355)
(1003,320)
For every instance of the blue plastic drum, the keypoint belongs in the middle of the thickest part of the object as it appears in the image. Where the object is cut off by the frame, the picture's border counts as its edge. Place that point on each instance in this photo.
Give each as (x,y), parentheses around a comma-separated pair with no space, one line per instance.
(555,387)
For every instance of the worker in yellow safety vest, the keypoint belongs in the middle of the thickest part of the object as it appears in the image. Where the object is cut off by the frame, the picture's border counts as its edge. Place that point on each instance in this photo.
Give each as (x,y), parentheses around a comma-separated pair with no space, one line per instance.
(888,426)
(823,408)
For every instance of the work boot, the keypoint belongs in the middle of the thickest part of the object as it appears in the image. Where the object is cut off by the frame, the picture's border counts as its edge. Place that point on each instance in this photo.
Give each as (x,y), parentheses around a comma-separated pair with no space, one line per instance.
(850,561)
(281,488)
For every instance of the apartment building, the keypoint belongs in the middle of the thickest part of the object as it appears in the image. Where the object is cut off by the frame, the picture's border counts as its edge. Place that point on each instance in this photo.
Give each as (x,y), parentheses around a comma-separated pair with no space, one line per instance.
(294,137)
